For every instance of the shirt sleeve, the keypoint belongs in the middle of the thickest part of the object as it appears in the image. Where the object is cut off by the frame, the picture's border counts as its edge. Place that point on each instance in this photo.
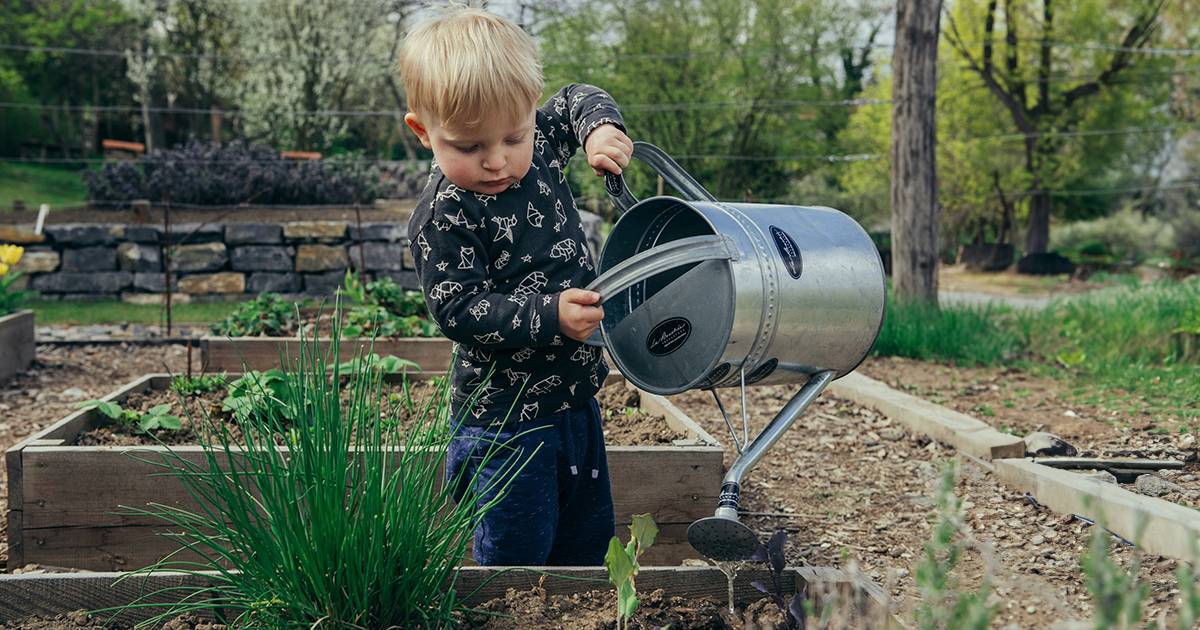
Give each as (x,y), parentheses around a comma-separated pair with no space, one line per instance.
(572,114)
(452,264)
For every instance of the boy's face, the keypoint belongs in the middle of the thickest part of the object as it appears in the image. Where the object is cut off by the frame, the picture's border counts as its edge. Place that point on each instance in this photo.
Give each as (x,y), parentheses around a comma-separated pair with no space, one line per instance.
(486,158)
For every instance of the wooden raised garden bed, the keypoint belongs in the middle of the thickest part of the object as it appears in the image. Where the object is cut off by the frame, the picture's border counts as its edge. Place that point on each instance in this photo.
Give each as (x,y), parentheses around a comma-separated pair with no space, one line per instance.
(854,601)
(16,343)
(224,354)
(64,499)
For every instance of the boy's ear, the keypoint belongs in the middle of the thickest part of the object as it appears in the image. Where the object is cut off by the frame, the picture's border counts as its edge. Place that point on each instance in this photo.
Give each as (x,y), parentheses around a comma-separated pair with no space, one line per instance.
(414,123)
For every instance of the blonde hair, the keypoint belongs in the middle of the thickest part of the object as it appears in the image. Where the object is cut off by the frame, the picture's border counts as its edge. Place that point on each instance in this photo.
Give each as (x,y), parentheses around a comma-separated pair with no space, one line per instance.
(465,65)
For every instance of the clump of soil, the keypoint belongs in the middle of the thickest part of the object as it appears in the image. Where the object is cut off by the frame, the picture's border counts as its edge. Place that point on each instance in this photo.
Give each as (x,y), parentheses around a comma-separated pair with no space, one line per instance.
(593,610)
(624,421)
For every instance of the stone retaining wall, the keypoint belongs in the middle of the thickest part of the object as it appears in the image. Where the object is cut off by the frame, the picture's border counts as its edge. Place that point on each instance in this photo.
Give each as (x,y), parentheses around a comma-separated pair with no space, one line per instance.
(213,261)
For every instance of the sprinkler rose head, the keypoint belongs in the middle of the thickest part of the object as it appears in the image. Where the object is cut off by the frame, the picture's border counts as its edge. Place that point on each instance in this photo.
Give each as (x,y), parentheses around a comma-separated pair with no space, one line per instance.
(722,539)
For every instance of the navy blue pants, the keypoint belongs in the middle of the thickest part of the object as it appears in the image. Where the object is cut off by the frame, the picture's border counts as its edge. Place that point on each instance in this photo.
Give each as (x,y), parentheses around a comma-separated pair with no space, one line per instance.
(558,510)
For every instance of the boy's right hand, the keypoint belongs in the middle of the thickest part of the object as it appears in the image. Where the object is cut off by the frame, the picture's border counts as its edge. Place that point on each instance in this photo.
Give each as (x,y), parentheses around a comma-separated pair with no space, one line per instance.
(579,313)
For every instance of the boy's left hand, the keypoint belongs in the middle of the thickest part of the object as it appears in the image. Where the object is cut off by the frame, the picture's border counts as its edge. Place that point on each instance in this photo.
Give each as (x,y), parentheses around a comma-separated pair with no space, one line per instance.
(608,149)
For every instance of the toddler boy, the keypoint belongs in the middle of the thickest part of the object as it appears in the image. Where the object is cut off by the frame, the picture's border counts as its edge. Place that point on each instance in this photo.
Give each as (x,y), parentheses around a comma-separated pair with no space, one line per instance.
(502,258)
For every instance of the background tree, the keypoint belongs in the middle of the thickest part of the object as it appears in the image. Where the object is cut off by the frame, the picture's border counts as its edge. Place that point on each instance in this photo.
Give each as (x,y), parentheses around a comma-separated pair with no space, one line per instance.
(747,95)
(1051,84)
(914,157)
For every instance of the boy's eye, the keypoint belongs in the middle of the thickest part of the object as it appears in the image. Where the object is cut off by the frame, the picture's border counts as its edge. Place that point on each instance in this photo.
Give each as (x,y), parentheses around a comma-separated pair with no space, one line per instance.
(515,140)
(470,149)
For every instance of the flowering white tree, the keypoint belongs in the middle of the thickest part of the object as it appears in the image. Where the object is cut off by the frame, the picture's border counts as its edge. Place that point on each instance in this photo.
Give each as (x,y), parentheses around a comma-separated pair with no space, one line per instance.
(305,62)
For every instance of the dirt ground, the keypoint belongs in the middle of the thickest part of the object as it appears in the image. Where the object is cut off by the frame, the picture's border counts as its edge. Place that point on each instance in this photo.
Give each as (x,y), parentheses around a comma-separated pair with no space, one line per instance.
(847,484)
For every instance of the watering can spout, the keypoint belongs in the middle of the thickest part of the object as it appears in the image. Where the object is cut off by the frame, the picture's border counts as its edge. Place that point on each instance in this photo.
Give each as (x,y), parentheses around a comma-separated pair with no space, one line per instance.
(722,536)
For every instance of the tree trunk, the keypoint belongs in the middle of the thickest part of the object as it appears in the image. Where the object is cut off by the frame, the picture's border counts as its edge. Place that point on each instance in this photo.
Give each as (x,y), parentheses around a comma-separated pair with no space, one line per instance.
(1037,239)
(914,142)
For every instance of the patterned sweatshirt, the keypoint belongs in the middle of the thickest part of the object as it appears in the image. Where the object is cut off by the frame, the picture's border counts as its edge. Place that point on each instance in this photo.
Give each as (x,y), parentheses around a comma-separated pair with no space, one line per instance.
(493,266)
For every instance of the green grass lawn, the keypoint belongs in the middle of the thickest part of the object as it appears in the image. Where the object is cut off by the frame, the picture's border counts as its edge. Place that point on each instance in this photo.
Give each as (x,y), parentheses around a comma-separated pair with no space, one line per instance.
(36,184)
(117,312)
(1114,347)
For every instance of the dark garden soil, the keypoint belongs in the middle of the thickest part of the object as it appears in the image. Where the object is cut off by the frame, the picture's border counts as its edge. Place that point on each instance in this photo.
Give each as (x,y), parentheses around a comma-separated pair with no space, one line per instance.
(626,424)
(595,610)
(847,480)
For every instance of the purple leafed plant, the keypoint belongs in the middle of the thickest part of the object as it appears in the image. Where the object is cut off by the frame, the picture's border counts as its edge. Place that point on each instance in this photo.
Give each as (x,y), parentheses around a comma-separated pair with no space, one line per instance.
(772,553)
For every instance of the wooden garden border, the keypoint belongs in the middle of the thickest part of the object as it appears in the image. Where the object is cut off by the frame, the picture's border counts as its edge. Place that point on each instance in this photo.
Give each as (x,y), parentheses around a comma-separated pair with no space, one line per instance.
(63,500)
(1169,528)
(225,354)
(16,343)
(51,594)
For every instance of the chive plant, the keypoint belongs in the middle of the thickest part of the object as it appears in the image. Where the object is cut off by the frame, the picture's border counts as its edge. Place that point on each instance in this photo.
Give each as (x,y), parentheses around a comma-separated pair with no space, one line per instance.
(333,519)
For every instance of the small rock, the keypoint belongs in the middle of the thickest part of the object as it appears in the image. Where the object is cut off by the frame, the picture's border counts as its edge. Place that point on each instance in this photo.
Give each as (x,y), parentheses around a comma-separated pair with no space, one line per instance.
(1037,539)
(1099,475)
(1042,444)
(1187,441)
(891,434)
(1070,414)
(74,393)
(1155,486)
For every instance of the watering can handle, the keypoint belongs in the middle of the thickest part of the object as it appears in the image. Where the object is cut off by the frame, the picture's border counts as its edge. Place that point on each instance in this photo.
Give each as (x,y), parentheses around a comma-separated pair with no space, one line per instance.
(662,164)
(656,260)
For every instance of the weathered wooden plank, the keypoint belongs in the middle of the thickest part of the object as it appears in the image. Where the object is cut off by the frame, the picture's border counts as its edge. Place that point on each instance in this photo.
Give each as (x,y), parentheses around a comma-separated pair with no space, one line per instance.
(50,594)
(17,343)
(264,353)
(957,429)
(86,486)
(1087,463)
(123,548)
(1169,529)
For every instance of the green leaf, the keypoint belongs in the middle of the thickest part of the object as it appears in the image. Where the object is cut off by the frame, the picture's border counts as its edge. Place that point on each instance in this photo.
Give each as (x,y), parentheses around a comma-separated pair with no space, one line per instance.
(148,423)
(627,600)
(643,530)
(620,566)
(171,423)
(158,410)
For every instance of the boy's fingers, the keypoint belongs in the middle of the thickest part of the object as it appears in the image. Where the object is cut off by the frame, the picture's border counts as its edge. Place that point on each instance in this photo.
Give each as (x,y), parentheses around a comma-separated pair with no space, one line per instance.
(601,162)
(581,296)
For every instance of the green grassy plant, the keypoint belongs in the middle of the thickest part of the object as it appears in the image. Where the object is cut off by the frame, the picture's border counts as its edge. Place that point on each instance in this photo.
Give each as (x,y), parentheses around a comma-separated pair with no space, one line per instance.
(118,312)
(942,605)
(965,335)
(344,529)
(622,563)
(34,184)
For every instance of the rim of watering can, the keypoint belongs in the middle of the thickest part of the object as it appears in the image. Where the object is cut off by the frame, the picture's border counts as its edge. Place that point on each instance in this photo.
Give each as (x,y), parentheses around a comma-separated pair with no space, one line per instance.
(621,365)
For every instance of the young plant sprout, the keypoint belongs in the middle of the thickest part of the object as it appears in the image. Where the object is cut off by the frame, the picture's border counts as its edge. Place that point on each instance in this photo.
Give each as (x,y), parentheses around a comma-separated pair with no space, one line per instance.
(622,564)
(792,609)
(155,419)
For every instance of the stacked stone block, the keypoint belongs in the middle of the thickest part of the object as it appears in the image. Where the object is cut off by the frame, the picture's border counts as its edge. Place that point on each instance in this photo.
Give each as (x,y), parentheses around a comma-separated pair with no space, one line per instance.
(212,259)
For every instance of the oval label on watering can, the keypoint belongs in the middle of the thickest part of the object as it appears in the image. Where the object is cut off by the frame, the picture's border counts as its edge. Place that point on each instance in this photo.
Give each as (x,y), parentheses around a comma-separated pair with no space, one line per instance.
(668,336)
(788,251)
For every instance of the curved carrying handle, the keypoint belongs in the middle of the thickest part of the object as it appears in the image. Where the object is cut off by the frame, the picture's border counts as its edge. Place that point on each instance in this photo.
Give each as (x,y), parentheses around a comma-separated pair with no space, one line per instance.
(662,164)
(656,260)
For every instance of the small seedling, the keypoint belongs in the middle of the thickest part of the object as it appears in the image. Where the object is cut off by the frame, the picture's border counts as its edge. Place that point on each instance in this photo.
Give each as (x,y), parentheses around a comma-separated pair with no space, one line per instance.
(792,609)
(200,384)
(622,564)
(259,392)
(155,419)
(385,365)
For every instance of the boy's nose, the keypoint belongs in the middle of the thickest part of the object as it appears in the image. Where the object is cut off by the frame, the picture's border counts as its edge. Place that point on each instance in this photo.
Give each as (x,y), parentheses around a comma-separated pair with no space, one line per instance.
(494,161)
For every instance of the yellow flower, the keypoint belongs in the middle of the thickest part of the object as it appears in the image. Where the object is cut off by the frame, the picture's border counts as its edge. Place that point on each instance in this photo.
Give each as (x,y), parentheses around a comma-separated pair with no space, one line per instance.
(11,254)
(3,269)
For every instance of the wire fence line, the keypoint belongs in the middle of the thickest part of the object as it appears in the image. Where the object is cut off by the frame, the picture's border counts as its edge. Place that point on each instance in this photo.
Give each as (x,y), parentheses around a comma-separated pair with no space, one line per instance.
(831,48)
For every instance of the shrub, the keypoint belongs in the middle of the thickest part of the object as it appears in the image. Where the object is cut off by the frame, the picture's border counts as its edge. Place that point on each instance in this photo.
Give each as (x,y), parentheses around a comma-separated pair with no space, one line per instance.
(268,314)
(239,172)
(1122,236)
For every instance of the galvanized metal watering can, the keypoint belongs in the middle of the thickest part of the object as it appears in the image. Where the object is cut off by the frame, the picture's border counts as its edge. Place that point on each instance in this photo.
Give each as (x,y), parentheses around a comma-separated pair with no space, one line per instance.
(703,294)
